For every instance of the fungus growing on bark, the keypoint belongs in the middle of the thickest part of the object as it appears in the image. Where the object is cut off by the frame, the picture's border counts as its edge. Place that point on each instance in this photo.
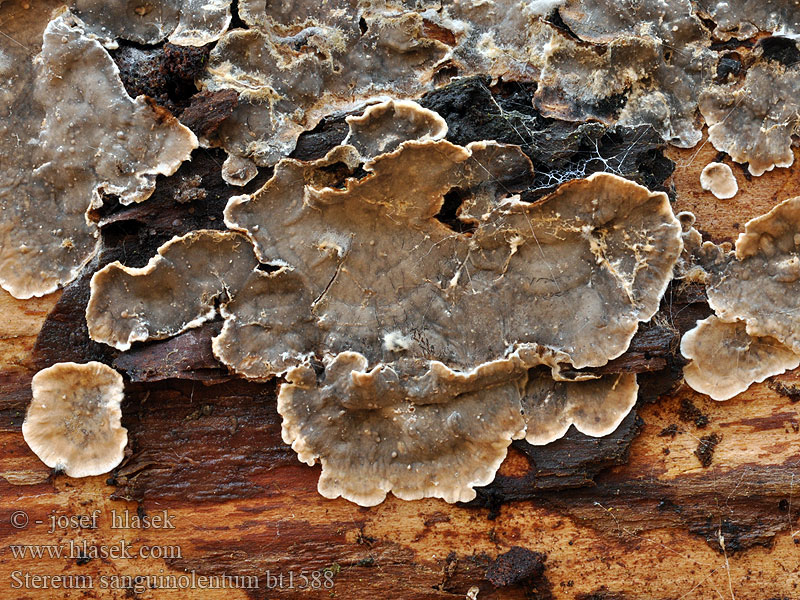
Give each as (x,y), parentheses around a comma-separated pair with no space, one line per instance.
(595,407)
(73,421)
(416,323)
(654,61)
(371,445)
(184,22)
(754,334)
(603,244)
(718,179)
(178,288)
(743,19)
(754,121)
(726,360)
(72,133)
(295,66)
(375,431)
(760,282)
(382,127)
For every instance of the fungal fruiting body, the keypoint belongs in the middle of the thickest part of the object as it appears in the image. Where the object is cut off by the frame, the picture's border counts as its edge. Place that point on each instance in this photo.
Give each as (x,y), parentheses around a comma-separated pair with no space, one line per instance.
(73,420)
(415,344)
(726,360)
(718,179)
(77,134)
(427,336)
(754,333)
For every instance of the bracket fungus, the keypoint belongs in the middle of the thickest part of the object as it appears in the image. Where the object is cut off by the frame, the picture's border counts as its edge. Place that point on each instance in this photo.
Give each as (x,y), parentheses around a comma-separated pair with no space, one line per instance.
(424,332)
(382,443)
(726,360)
(292,67)
(744,19)
(384,126)
(595,407)
(718,179)
(756,332)
(630,71)
(417,445)
(73,133)
(296,65)
(758,283)
(182,22)
(753,121)
(73,421)
(175,291)
(422,312)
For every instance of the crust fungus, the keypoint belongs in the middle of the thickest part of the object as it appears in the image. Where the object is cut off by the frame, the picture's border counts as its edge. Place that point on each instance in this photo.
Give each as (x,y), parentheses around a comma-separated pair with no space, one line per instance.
(644,64)
(372,438)
(370,446)
(726,360)
(295,66)
(183,22)
(754,121)
(426,333)
(73,421)
(754,334)
(603,243)
(595,407)
(382,127)
(178,288)
(654,61)
(77,134)
(759,284)
(743,19)
(718,179)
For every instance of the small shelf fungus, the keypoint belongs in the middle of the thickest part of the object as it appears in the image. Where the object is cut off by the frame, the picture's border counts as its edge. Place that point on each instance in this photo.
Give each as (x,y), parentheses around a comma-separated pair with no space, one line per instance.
(646,64)
(73,421)
(718,179)
(72,133)
(726,360)
(407,345)
(182,22)
(756,331)
(779,17)
(422,313)
(753,121)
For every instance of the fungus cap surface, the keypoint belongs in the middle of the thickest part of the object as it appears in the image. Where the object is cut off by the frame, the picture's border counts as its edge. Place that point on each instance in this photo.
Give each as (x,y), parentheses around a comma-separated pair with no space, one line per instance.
(595,407)
(726,360)
(184,22)
(77,134)
(73,421)
(754,121)
(760,282)
(718,179)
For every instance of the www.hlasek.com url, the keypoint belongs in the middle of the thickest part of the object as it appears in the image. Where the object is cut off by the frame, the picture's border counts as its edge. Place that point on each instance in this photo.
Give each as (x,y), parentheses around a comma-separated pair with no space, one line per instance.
(139,584)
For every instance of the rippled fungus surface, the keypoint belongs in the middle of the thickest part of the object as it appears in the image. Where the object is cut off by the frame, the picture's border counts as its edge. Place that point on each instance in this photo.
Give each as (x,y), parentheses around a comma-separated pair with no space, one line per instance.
(649,63)
(753,121)
(182,22)
(726,360)
(426,334)
(752,290)
(73,421)
(768,16)
(71,133)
